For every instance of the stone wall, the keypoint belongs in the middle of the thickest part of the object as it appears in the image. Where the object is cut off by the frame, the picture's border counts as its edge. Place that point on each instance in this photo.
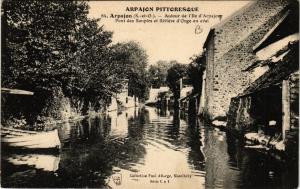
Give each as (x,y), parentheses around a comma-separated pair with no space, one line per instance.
(230,50)
(209,75)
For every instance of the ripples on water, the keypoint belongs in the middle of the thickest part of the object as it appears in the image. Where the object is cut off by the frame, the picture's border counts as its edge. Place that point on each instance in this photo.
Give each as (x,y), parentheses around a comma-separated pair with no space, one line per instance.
(97,151)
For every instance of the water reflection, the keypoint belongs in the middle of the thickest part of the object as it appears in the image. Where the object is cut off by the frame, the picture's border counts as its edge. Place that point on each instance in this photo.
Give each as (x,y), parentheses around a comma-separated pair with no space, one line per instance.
(196,156)
(45,162)
(101,144)
(106,150)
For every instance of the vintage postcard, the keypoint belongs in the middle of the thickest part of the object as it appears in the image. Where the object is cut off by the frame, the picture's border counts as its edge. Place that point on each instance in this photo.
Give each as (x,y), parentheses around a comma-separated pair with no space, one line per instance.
(150,94)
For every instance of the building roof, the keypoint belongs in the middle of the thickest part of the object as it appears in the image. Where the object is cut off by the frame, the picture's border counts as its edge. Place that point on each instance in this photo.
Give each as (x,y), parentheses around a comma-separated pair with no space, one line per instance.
(189,96)
(275,53)
(286,26)
(277,72)
(278,40)
(210,34)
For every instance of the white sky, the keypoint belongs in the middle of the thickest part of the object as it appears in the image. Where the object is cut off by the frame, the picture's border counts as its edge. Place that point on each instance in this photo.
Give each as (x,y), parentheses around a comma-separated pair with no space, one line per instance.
(163,41)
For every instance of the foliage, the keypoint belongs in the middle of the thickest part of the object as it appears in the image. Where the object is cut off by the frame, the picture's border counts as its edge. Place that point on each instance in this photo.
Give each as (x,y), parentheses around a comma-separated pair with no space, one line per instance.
(195,71)
(176,72)
(50,45)
(158,73)
(96,75)
(132,59)
(37,40)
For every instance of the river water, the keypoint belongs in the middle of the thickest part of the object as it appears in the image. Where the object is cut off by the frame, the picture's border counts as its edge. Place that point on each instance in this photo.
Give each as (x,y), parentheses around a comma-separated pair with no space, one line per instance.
(146,148)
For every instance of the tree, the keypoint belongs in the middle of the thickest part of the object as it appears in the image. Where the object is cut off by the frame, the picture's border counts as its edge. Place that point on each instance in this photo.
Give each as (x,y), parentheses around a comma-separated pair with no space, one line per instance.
(53,45)
(132,59)
(37,44)
(38,40)
(195,72)
(176,72)
(158,73)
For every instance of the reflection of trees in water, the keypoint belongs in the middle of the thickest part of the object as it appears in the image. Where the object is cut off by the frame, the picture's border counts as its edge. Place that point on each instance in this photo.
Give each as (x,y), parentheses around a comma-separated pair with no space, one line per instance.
(142,116)
(195,156)
(216,157)
(81,158)
(22,168)
(162,111)
(85,163)
(26,176)
(85,130)
(92,157)
(189,137)
(176,132)
(173,131)
(132,150)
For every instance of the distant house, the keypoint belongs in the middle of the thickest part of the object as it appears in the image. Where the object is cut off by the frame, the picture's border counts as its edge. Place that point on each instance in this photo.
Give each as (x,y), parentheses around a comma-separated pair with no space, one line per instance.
(119,121)
(229,51)
(154,93)
(185,97)
(113,104)
(185,91)
(122,99)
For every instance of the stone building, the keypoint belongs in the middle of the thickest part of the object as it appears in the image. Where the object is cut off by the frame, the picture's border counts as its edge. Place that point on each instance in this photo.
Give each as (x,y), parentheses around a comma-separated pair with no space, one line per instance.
(229,50)
(269,107)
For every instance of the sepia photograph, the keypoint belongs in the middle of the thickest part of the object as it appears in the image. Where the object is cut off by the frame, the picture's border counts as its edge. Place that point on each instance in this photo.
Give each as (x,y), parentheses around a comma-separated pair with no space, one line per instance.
(188,94)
